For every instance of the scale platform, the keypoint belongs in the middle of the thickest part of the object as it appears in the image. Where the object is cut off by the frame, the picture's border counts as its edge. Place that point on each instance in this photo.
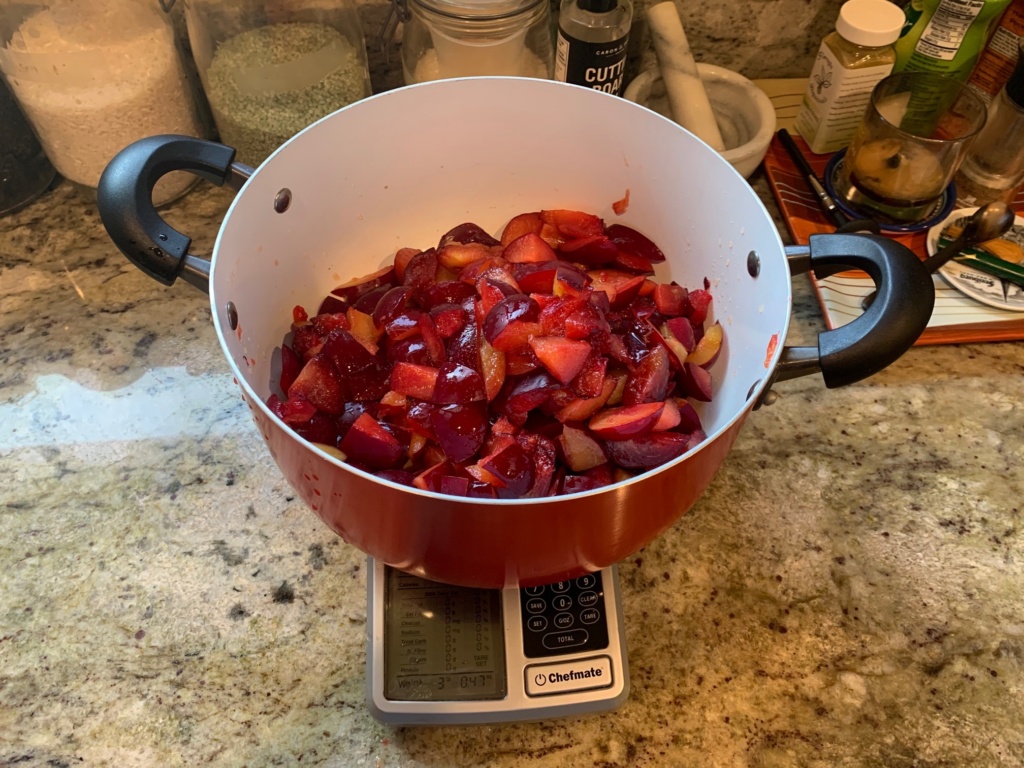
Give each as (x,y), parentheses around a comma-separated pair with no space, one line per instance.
(444,655)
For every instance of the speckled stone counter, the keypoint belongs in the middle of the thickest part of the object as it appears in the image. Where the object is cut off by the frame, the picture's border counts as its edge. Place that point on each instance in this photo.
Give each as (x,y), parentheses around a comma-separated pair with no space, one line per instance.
(849,591)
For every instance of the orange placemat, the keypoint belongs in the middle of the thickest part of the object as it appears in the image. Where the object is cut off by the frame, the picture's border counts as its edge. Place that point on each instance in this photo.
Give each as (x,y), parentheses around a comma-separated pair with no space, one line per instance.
(956,318)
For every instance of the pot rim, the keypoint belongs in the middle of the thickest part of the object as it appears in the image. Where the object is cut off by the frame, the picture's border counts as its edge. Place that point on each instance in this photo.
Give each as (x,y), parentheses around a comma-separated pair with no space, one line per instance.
(752,396)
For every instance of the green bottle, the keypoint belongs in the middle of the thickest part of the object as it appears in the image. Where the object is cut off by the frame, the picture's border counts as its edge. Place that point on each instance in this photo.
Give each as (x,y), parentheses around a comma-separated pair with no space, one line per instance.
(948,36)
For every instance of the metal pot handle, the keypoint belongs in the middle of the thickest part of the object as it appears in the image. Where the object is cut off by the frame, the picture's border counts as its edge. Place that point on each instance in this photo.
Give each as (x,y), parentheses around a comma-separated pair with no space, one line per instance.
(885,331)
(125,201)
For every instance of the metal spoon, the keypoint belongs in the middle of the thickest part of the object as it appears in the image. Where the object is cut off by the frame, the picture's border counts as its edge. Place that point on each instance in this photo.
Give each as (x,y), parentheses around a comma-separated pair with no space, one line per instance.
(987,223)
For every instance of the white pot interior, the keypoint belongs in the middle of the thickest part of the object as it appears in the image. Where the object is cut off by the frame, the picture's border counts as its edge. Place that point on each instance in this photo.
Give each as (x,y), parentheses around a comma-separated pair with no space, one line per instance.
(401,168)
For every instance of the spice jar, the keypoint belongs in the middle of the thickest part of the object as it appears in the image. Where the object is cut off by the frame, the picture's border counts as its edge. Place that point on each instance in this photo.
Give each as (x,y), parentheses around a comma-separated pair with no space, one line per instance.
(851,61)
(272,67)
(464,38)
(93,76)
(25,171)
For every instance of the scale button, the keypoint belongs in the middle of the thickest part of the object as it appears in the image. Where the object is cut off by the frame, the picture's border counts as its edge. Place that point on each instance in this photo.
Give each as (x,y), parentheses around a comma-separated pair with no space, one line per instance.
(561,586)
(587,599)
(564,620)
(562,603)
(569,676)
(586,582)
(537,624)
(536,605)
(556,640)
(590,616)
(534,591)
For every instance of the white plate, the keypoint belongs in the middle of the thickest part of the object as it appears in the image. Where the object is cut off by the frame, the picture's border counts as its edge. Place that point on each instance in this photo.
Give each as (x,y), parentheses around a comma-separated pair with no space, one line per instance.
(980,286)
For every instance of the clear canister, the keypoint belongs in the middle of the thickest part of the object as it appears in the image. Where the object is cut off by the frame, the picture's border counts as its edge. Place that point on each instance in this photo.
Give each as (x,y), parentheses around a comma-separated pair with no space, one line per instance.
(461,38)
(272,67)
(92,76)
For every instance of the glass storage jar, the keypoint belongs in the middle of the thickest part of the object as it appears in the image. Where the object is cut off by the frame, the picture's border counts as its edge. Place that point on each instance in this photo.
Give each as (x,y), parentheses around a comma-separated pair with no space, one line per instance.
(92,76)
(464,38)
(272,67)
(25,172)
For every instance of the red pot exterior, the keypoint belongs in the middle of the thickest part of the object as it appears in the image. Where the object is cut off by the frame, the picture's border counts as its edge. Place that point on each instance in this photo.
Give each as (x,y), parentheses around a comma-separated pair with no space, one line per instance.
(481,544)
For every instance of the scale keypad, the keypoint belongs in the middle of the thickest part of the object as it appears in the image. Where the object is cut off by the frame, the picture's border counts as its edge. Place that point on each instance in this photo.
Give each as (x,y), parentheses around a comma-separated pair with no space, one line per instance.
(564,617)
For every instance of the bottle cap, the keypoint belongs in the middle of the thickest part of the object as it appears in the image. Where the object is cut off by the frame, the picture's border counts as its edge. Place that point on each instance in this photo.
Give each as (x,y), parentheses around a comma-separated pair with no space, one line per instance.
(870,23)
(1015,85)
(598,6)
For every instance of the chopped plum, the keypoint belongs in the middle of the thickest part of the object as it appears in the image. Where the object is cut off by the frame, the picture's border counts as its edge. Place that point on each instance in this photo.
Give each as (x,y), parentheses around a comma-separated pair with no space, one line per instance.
(649,382)
(700,305)
(695,382)
(290,367)
(353,289)
(573,224)
(369,443)
(519,307)
(457,383)
(448,319)
(466,233)
(460,429)
(595,250)
(707,349)
(512,467)
(520,225)
(648,450)
(411,350)
(543,363)
(529,248)
(564,358)
(630,241)
(447,292)
(321,429)
(318,383)
(580,450)
(391,304)
(671,300)
(417,381)
(626,421)
(455,256)
(421,269)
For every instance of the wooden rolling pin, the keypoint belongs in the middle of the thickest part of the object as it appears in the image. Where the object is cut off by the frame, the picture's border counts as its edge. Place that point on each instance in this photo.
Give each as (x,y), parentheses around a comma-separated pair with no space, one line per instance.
(686,95)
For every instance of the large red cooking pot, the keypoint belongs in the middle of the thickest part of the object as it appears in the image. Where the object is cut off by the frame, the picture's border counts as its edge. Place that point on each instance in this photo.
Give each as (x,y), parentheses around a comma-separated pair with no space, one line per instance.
(399,169)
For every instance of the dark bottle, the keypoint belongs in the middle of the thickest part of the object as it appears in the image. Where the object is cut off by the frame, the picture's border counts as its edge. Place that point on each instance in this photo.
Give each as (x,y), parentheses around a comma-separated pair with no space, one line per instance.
(592,40)
(25,172)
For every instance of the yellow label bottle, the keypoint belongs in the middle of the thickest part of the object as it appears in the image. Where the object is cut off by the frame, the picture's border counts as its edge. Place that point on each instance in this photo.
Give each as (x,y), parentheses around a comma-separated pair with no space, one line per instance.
(849,64)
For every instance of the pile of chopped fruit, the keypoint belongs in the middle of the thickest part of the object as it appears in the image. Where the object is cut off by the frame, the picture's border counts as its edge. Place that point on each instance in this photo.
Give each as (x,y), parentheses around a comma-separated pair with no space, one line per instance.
(544,363)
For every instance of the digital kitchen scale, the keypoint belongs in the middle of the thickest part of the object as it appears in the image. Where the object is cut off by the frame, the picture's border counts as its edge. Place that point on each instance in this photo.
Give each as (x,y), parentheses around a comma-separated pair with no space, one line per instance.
(445,655)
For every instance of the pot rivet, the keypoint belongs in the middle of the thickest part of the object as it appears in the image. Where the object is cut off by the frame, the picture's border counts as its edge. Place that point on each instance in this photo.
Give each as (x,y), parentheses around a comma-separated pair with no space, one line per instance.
(232,316)
(283,200)
(753,264)
(752,388)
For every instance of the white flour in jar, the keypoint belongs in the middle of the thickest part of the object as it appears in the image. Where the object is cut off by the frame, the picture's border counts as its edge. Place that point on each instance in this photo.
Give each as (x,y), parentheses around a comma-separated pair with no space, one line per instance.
(93,80)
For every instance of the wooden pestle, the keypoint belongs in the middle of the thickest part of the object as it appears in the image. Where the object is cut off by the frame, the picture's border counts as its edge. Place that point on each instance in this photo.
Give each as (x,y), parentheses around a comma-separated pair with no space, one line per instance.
(686,95)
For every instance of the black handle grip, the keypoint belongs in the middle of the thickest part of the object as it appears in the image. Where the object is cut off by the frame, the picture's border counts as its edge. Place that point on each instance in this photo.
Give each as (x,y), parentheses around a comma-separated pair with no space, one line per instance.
(125,202)
(902,308)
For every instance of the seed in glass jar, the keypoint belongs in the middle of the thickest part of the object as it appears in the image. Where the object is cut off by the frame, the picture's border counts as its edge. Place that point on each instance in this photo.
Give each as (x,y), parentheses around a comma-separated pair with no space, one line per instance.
(267,84)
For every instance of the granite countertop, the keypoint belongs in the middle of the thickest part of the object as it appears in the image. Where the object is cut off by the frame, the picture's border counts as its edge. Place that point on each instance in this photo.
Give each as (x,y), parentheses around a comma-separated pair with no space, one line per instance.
(849,591)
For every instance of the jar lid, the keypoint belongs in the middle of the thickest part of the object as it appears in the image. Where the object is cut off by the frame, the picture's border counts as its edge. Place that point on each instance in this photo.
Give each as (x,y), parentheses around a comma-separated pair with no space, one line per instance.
(478,10)
(870,23)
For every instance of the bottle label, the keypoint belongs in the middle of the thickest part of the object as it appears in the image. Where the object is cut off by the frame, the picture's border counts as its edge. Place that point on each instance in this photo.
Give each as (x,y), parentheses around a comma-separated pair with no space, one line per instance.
(835,101)
(600,66)
(947,28)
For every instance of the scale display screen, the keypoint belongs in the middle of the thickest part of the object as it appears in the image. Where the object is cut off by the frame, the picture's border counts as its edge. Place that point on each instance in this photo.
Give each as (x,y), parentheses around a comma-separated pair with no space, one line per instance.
(442,642)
